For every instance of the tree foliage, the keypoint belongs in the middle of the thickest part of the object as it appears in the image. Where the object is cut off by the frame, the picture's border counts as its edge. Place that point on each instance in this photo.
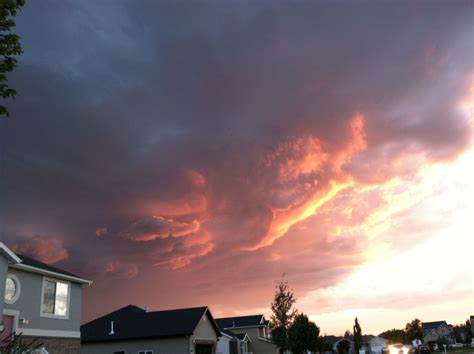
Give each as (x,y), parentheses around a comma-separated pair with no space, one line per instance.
(357,336)
(395,336)
(283,313)
(16,344)
(465,335)
(344,346)
(9,47)
(414,329)
(303,335)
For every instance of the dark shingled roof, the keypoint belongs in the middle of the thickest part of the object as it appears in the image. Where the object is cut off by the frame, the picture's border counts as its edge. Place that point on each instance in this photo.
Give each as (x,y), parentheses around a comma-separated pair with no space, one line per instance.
(37,264)
(330,340)
(132,322)
(241,321)
(240,336)
(428,326)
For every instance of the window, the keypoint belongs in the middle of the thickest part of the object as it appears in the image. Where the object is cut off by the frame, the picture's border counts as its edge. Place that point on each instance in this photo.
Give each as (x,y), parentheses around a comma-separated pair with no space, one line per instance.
(55,300)
(12,289)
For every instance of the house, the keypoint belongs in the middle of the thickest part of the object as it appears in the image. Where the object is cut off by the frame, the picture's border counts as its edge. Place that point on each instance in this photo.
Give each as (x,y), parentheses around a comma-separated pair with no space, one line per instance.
(40,300)
(471,319)
(231,343)
(255,327)
(329,343)
(433,331)
(370,344)
(344,345)
(377,344)
(132,329)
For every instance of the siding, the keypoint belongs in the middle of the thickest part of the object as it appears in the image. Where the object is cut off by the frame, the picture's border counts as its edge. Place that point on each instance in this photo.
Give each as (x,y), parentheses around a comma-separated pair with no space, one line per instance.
(29,305)
(179,345)
(256,345)
(3,278)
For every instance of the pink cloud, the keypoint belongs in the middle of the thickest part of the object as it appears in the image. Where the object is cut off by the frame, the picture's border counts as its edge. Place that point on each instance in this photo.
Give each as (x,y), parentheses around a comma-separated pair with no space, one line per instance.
(156,227)
(47,250)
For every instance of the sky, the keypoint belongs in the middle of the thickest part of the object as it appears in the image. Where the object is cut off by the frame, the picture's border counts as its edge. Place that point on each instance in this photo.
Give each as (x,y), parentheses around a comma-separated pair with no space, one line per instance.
(189,153)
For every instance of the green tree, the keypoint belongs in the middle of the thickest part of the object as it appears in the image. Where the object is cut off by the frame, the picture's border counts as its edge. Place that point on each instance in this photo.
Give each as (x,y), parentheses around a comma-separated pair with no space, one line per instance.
(283,313)
(344,346)
(395,336)
(303,335)
(9,47)
(468,329)
(357,336)
(414,329)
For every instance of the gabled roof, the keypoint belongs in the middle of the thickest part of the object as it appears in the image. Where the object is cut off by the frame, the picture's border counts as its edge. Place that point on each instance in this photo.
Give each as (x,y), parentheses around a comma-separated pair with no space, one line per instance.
(330,340)
(132,323)
(428,326)
(242,336)
(241,321)
(8,254)
(33,265)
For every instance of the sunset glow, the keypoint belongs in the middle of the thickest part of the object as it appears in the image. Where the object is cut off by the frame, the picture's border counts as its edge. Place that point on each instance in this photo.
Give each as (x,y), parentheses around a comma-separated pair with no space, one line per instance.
(186,154)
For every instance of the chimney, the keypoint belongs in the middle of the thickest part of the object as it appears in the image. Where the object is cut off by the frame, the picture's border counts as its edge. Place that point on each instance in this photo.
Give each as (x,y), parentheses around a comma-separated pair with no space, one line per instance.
(111,328)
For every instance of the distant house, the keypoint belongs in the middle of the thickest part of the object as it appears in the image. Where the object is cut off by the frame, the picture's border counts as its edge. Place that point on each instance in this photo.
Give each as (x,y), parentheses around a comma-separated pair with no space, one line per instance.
(377,344)
(344,344)
(370,344)
(433,331)
(132,329)
(39,300)
(231,343)
(257,330)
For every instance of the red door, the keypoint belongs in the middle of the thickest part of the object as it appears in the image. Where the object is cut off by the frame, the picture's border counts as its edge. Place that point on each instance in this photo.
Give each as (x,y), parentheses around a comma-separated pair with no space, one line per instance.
(5,335)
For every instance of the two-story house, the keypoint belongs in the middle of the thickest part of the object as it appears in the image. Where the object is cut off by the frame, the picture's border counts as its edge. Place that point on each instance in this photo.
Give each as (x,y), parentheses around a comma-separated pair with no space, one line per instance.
(433,331)
(257,331)
(39,300)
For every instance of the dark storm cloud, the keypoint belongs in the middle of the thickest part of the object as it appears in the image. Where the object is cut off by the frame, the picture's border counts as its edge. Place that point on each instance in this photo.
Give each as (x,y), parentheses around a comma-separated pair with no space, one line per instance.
(132,109)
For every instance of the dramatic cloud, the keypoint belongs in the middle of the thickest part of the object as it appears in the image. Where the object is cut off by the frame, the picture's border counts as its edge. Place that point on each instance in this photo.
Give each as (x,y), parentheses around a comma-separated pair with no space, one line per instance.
(158,227)
(47,250)
(213,148)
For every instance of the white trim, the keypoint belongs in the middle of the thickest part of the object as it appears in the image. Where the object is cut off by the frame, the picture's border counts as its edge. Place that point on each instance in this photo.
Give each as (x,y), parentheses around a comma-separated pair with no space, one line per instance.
(16,317)
(49,333)
(52,274)
(9,253)
(17,288)
(48,315)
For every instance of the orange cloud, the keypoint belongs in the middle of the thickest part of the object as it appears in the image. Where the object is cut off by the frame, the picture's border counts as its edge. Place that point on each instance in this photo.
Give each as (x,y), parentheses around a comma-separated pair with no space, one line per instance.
(308,156)
(47,250)
(195,178)
(156,227)
(297,158)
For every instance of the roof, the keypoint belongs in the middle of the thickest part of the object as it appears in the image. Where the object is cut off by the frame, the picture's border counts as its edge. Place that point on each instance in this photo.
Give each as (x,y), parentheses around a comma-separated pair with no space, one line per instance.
(241,336)
(330,340)
(27,263)
(428,326)
(132,322)
(241,321)
(8,253)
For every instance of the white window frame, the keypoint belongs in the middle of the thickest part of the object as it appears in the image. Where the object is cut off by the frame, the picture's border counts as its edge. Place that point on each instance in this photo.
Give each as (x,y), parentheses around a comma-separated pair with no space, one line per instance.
(49,315)
(18,289)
